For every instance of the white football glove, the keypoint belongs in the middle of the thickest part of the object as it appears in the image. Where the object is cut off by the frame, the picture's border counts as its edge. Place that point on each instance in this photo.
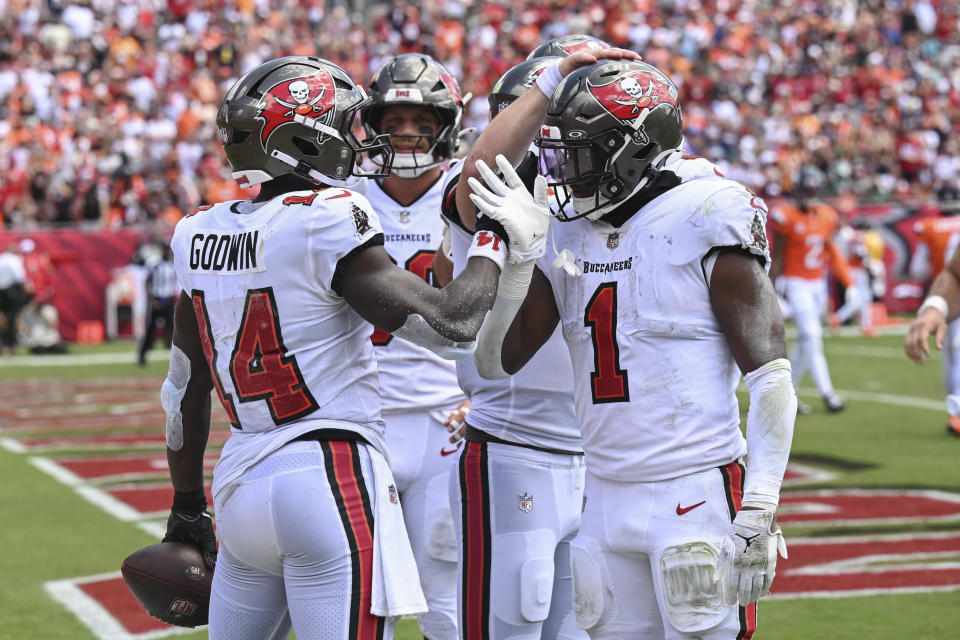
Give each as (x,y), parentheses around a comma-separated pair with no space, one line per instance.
(748,559)
(525,217)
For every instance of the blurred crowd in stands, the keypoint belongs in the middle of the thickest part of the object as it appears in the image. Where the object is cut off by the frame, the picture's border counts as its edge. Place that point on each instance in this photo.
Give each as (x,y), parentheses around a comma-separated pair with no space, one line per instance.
(107,106)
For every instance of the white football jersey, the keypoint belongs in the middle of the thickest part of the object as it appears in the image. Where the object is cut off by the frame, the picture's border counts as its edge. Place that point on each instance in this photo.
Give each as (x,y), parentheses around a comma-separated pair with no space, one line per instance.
(287,353)
(654,378)
(533,406)
(411,376)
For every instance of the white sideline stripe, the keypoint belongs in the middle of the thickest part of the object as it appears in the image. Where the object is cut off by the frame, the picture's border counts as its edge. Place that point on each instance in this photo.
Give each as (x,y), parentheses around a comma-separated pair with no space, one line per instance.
(853,331)
(12,445)
(882,563)
(880,537)
(93,616)
(810,475)
(932,494)
(873,352)
(97,497)
(155,528)
(59,472)
(111,505)
(883,398)
(856,593)
(72,360)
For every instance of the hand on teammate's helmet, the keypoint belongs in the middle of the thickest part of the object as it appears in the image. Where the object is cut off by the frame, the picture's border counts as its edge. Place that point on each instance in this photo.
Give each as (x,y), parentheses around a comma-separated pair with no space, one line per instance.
(586,57)
(748,559)
(524,217)
(190,522)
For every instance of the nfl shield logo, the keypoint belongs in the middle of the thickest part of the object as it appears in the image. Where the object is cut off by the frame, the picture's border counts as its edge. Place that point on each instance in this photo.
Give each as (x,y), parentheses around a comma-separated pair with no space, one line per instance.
(181,608)
(392,492)
(526,502)
(613,240)
(404,216)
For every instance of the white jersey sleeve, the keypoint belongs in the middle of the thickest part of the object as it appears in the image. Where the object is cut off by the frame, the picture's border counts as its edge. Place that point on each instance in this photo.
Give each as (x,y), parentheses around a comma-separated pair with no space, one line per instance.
(330,238)
(728,216)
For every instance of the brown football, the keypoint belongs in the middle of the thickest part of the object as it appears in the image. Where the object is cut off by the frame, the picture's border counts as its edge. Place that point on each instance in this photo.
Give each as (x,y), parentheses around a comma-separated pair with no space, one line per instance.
(171,582)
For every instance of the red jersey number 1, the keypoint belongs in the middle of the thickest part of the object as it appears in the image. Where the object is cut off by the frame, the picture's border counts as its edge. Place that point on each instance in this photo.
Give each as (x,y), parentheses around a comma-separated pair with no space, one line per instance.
(608,382)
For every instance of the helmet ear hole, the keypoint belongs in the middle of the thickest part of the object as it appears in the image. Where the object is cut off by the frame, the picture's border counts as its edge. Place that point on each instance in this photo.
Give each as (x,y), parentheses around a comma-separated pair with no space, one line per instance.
(306,147)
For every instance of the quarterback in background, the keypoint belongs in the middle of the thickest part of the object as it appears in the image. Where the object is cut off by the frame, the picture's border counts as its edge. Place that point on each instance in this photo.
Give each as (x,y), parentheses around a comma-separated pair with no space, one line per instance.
(803,246)
(416,103)
(279,294)
(657,278)
(937,240)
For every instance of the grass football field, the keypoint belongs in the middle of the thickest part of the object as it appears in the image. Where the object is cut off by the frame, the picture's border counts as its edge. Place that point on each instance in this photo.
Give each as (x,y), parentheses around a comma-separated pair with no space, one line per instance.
(871,509)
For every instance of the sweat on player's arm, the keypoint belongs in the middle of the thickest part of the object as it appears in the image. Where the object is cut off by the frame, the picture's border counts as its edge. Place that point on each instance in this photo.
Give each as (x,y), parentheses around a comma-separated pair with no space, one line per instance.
(940,307)
(444,320)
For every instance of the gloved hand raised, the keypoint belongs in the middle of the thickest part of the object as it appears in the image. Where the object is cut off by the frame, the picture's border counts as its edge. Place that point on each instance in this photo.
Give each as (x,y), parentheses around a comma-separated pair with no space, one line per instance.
(524,217)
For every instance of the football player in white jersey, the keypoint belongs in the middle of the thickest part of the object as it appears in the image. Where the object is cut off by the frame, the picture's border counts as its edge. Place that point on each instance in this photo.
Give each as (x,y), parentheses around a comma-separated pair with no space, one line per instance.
(417,104)
(518,490)
(664,301)
(279,293)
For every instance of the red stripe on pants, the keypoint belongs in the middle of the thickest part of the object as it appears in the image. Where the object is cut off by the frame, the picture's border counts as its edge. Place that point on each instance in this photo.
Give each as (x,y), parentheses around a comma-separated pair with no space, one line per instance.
(748,614)
(359,522)
(475,549)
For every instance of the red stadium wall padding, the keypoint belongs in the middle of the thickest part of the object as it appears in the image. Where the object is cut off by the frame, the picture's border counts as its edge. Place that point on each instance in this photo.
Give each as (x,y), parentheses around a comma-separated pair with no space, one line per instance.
(82,266)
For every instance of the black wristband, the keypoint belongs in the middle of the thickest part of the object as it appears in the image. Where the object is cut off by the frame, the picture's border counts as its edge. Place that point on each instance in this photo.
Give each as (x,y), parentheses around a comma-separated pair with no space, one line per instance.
(189,501)
(486,223)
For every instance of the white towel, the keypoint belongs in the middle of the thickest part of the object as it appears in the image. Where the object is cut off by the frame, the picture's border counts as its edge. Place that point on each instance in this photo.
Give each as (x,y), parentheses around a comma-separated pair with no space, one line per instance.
(396,582)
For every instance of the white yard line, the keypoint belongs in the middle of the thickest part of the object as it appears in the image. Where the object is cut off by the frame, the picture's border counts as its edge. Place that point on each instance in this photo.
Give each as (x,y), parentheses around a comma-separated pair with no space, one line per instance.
(893,353)
(882,398)
(80,359)
(100,621)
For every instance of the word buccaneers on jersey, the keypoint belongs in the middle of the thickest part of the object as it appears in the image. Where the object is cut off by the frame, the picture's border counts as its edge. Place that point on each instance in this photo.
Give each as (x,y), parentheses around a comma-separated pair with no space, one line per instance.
(654,378)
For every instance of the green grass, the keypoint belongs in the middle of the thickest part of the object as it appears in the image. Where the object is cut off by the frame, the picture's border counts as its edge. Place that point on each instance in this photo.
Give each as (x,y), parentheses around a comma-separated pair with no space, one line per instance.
(49,532)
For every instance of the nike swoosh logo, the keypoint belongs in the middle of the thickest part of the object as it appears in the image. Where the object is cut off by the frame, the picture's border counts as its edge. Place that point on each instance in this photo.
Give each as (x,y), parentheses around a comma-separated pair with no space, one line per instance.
(683,510)
(444,452)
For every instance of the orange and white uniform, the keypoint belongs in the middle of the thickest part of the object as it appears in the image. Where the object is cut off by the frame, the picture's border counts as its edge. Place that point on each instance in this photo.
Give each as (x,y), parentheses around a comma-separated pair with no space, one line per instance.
(804,239)
(937,240)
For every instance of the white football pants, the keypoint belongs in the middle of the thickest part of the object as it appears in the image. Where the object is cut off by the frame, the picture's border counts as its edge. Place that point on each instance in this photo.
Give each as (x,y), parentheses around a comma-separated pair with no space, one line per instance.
(808,300)
(516,510)
(631,536)
(296,547)
(421,458)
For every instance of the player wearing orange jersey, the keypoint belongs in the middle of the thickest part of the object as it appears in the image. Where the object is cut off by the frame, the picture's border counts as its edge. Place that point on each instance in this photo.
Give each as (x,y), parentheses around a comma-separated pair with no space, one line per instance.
(937,240)
(803,249)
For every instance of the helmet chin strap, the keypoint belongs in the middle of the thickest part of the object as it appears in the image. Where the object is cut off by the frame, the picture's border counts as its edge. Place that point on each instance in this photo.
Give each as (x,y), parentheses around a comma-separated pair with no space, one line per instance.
(586,204)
